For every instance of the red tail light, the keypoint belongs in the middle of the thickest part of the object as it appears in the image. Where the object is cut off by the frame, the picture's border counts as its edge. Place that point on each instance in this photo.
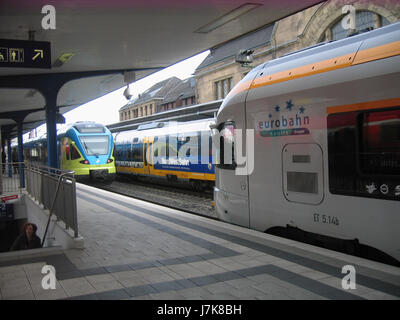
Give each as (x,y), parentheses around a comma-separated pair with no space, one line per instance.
(84,162)
(109,160)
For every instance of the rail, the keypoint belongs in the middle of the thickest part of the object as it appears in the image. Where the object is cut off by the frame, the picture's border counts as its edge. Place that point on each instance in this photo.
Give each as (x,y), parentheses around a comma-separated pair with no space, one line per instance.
(55,189)
(60,180)
(12,178)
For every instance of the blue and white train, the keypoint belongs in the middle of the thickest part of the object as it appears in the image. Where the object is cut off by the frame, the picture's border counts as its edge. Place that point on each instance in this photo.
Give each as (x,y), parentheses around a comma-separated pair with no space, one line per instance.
(173,151)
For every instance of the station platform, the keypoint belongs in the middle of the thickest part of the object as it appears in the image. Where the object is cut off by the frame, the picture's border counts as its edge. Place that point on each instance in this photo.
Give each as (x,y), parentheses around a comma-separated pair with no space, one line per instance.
(138,250)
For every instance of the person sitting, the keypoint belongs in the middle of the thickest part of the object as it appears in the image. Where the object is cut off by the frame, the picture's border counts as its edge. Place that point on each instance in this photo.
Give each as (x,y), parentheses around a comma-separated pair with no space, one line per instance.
(27,239)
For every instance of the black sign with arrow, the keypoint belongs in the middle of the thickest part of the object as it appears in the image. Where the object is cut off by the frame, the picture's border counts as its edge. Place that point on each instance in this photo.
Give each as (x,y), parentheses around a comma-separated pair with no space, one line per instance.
(25,54)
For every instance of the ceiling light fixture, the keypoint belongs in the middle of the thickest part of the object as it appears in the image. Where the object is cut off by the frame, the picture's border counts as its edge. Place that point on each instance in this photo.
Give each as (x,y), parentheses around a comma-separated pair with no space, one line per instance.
(64,58)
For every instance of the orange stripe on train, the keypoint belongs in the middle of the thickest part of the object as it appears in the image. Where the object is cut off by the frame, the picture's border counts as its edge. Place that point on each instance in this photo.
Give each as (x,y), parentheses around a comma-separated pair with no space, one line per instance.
(364,106)
(367,55)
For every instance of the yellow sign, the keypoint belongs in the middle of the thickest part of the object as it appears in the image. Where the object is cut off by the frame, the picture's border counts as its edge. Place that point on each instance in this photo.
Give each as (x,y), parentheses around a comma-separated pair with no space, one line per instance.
(3,54)
(25,54)
(38,53)
(16,55)
(65,57)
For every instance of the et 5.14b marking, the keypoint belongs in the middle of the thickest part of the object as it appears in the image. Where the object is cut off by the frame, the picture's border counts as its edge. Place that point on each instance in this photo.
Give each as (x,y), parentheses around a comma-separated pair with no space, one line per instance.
(323,218)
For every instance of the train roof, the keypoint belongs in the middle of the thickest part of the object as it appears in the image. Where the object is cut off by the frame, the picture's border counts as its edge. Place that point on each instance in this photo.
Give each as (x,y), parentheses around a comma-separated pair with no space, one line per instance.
(322,58)
(83,127)
(332,49)
(329,50)
(167,128)
(89,127)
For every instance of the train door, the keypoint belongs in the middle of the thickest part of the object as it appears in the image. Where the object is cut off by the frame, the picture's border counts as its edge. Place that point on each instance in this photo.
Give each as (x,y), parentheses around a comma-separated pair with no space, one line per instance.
(231,192)
(148,155)
(65,154)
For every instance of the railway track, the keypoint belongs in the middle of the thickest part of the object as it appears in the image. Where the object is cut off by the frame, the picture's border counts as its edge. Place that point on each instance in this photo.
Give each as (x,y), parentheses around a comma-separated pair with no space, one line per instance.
(167,194)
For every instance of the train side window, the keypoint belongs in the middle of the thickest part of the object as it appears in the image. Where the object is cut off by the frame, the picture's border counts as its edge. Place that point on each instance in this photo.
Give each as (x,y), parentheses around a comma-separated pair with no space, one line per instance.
(67,152)
(74,152)
(226,147)
(190,142)
(167,148)
(210,148)
(342,152)
(137,152)
(380,145)
(364,153)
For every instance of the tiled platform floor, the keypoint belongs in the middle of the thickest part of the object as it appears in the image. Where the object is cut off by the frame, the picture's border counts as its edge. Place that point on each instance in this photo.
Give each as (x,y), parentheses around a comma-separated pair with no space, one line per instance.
(137,250)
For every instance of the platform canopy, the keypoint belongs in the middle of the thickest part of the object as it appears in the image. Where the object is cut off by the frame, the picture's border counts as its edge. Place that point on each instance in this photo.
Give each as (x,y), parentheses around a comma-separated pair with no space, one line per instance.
(113,36)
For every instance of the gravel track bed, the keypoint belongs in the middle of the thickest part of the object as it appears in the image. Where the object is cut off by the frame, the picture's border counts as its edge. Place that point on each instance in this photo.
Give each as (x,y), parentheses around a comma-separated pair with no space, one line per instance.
(170,196)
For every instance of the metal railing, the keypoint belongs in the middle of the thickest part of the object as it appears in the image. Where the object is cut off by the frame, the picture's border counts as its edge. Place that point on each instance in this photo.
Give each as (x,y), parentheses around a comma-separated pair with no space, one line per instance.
(55,189)
(12,179)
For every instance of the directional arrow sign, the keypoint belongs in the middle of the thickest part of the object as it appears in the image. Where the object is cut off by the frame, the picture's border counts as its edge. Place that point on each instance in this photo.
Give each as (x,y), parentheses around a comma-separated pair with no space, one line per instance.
(39,53)
(25,54)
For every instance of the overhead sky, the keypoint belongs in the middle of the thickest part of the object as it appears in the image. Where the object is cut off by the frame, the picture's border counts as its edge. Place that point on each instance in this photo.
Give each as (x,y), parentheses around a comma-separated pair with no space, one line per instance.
(105,109)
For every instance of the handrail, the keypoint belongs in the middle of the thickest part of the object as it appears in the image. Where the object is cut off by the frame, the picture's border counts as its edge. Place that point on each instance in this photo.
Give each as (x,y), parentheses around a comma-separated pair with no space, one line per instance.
(54,201)
(55,189)
(12,178)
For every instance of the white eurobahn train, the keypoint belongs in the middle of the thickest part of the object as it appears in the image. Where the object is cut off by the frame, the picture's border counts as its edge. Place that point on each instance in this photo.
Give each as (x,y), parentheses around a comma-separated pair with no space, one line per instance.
(326,124)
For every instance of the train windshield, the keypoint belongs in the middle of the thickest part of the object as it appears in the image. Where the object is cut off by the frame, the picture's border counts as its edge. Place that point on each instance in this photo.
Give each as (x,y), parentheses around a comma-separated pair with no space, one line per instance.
(95,145)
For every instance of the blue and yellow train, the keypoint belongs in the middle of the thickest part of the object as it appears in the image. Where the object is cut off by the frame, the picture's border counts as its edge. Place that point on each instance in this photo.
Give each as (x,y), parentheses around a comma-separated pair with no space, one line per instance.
(174,151)
(83,147)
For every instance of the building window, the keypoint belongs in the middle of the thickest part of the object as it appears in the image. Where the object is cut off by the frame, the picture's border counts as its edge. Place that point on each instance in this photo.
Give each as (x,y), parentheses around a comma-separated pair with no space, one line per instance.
(151,109)
(222,88)
(365,21)
(145,110)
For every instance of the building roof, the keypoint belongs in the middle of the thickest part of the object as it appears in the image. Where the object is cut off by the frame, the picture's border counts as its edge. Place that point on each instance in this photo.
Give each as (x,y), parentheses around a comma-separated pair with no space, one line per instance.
(157,91)
(183,90)
(253,40)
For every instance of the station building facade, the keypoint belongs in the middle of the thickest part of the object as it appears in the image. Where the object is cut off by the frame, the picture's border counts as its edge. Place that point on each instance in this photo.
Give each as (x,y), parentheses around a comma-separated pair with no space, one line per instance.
(165,95)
